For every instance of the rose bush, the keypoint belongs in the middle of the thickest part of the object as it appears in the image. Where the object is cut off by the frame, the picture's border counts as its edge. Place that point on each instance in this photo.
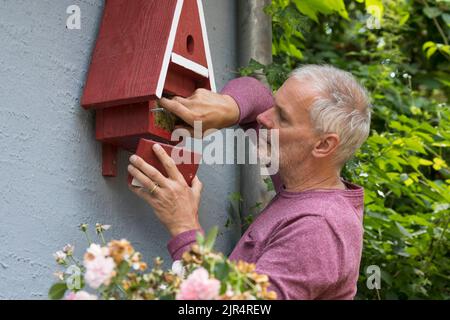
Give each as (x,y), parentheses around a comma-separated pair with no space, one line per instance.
(115,271)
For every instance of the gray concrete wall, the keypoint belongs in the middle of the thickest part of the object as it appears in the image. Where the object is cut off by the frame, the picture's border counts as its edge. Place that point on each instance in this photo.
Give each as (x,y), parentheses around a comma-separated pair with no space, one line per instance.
(50,176)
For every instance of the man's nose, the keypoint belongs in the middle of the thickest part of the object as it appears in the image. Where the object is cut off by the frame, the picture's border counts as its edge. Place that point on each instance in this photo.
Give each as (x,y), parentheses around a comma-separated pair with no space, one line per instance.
(265,119)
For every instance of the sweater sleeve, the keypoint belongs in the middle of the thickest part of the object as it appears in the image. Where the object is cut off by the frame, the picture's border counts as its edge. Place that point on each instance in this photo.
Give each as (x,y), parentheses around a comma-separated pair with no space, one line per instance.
(182,243)
(252,97)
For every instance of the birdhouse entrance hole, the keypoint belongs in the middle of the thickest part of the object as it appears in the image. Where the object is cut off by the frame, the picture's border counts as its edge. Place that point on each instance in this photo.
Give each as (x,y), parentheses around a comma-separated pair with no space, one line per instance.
(190,44)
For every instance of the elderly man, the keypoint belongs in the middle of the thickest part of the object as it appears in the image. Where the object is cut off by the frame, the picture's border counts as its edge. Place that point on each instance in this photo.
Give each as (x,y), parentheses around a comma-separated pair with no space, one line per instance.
(308,240)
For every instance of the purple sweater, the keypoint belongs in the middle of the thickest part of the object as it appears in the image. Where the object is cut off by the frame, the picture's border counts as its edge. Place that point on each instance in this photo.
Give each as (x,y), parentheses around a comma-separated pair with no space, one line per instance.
(308,243)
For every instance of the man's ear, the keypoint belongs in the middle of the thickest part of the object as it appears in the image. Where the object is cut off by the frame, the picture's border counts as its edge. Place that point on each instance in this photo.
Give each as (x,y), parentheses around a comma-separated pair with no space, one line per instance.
(326,146)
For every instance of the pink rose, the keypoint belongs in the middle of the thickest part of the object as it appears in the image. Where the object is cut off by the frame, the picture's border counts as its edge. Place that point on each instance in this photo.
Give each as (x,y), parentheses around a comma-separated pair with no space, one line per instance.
(99,271)
(198,286)
(80,295)
(99,266)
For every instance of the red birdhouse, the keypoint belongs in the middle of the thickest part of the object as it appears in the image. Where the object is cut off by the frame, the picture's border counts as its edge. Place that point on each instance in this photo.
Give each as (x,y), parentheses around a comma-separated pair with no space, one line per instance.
(145,150)
(146,49)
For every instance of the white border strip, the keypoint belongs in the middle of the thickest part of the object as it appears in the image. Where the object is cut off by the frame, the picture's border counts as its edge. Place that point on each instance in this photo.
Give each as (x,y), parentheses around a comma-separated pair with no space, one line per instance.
(207,49)
(169,48)
(190,65)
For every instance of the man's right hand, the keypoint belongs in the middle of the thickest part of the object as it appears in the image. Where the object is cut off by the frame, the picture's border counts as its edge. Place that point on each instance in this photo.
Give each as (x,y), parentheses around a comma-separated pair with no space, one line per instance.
(214,110)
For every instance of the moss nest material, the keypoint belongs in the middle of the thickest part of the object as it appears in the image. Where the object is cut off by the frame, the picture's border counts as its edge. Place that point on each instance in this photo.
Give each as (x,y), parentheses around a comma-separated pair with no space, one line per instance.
(166,120)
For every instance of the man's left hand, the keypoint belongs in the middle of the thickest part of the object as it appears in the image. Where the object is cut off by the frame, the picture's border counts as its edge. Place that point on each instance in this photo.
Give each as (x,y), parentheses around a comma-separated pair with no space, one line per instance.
(174,202)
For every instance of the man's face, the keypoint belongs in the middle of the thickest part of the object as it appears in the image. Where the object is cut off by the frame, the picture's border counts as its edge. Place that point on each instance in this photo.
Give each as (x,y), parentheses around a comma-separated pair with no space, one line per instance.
(290,115)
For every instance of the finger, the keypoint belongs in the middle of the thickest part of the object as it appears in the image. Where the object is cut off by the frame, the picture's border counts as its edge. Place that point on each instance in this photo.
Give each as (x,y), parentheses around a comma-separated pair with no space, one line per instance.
(142,193)
(177,109)
(168,163)
(200,92)
(187,102)
(197,185)
(148,170)
(145,181)
(189,129)
(192,131)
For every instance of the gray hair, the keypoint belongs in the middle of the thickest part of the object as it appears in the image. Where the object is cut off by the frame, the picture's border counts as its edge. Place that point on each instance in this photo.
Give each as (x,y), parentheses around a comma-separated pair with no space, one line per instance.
(342,106)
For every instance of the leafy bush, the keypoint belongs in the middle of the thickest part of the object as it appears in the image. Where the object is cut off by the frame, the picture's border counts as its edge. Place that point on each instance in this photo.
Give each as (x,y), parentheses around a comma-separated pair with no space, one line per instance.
(399,50)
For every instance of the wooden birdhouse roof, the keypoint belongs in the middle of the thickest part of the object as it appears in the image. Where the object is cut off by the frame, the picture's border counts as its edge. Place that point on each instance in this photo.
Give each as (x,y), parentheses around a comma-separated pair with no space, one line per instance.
(136,43)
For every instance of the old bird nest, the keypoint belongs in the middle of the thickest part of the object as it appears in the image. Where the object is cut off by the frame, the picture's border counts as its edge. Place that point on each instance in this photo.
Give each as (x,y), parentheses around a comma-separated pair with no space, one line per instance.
(165,119)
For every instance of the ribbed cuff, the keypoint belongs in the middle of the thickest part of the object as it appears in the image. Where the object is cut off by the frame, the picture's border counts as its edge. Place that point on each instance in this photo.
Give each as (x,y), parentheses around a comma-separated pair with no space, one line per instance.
(251,95)
(182,243)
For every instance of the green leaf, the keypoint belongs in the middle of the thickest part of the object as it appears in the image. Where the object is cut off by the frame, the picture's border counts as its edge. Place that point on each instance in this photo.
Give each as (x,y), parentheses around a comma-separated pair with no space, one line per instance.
(400,127)
(443,144)
(305,8)
(425,162)
(223,288)
(211,237)
(414,144)
(430,52)
(375,8)
(386,277)
(402,230)
(200,238)
(339,7)
(235,197)
(428,44)
(312,8)
(378,215)
(379,139)
(432,12)
(446,18)
(295,52)
(221,271)
(404,19)
(57,291)
(255,65)
(123,268)
(444,48)
(269,184)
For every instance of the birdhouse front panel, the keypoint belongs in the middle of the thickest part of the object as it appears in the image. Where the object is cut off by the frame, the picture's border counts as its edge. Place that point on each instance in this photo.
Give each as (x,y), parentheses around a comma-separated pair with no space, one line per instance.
(190,66)
(146,49)
(189,40)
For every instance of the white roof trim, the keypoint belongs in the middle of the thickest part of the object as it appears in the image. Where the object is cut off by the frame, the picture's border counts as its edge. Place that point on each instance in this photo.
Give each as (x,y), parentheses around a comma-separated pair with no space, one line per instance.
(207,49)
(190,65)
(169,48)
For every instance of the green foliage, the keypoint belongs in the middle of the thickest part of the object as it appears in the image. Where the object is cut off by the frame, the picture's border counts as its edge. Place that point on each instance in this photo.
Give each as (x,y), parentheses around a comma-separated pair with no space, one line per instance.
(399,51)
(407,197)
(236,216)
(57,291)
(211,238)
